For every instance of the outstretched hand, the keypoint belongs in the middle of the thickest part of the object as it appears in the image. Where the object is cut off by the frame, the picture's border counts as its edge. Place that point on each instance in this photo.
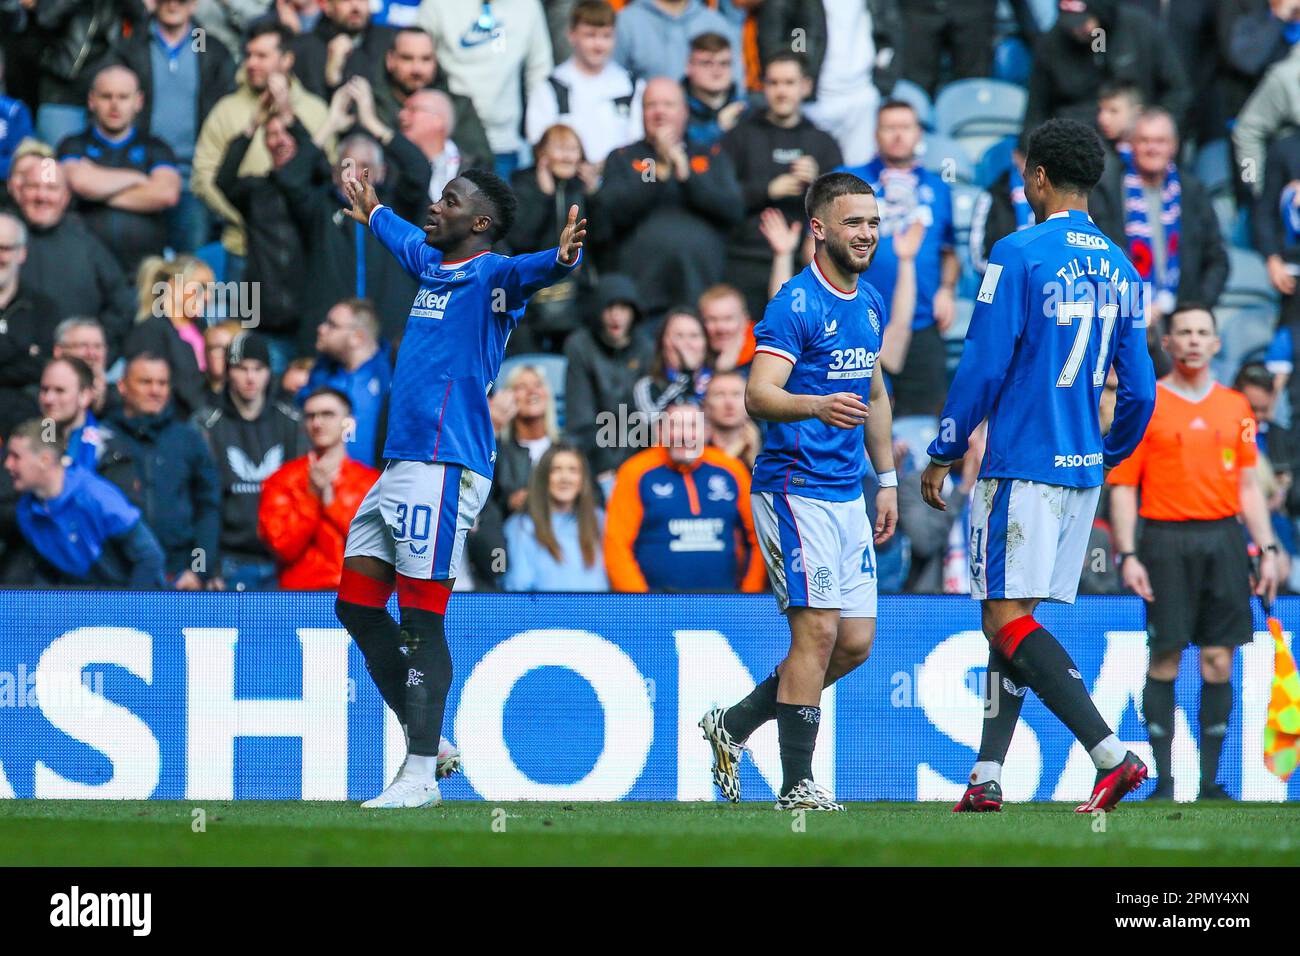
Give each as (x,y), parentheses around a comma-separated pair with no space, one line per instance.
(571,236)
(361,194)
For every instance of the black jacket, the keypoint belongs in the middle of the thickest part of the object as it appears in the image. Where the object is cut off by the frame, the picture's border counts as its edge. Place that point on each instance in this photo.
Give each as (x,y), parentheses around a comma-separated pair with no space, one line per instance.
(778,19)
(1067,75)
(26,344)
(76,270)
(469,136)
(156,334)
(538,221)
(216,71)
(74,36)
(669,236)
(761,151)
(1250,40)
(274,254)
(1281,167)
(246,454)
(1202,253)
(599,377)
(994,217)
(310,51)
(164,467)
(329,238)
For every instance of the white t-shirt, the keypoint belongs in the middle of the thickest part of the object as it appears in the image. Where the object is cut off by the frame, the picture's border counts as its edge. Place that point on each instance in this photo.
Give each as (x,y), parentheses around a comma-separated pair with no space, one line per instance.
(537,447)
(604,110)
(850,49)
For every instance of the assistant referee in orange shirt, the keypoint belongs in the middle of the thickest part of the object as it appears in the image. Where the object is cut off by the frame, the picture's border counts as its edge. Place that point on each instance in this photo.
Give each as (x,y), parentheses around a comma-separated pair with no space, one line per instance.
(1195,467)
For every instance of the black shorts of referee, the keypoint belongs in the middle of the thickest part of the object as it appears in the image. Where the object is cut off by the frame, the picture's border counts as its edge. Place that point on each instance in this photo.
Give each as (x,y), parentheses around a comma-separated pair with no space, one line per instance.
(1200,574)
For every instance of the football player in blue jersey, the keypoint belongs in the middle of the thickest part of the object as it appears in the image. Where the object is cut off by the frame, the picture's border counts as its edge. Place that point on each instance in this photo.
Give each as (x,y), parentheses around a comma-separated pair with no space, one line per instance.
(1058,304)
(409,532)
(814,365)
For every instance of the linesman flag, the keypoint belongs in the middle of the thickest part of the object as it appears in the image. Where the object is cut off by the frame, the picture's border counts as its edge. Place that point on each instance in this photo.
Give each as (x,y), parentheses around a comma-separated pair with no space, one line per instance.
(1282,729)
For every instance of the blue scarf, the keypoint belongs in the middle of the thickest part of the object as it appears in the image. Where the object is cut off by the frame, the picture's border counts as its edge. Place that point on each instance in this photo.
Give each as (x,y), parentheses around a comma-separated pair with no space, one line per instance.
(1024,212)
(1137,229)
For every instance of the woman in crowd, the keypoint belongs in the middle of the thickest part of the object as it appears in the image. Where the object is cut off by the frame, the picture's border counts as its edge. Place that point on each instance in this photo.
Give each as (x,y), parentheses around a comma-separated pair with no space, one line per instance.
(524,411)
(555,544)
(559,178)
(216,339)
(682,367)
(173,298)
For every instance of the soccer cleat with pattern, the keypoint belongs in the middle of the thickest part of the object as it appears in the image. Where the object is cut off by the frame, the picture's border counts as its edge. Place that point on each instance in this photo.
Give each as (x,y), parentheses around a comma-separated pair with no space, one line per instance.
(807,795)
(406,793)
(448,759)
(727,754)
(981,798)
(1113,784)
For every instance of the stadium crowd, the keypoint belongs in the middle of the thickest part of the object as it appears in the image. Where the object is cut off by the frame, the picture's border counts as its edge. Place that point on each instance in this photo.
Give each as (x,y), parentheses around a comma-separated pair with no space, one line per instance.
(196,345)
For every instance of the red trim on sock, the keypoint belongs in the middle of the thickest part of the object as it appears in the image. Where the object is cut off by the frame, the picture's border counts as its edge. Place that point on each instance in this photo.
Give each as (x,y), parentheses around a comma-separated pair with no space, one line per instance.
(358,588)
(424,595)
(1009,638)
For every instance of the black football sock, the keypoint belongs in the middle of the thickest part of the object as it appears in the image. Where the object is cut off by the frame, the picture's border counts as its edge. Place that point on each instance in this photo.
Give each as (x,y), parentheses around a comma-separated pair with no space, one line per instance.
(1051,674)
(1158,712)
(379,639)
(754,711)
(1216,706)
(796,731)
(1006,695)
(428,678)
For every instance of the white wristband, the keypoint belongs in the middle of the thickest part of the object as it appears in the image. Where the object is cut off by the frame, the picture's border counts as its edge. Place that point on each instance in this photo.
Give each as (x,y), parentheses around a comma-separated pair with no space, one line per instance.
(888,479)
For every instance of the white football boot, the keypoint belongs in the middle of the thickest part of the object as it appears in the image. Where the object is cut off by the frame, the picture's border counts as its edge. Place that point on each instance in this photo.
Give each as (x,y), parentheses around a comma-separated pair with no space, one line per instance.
(406,792)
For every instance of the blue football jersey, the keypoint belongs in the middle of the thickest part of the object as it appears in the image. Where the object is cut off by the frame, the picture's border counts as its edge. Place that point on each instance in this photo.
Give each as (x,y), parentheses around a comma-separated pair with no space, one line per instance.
(1060,302)
(453,345)
(832,338)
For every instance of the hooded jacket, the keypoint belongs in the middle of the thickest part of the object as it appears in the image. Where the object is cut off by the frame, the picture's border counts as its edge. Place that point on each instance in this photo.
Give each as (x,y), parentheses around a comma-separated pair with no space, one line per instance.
(165,469)
(246,454)
(26,343)
(599,376)
(91,534)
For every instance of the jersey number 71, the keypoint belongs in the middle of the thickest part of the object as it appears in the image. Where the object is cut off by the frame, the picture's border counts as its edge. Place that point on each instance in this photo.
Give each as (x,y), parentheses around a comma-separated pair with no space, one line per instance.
(1066,313)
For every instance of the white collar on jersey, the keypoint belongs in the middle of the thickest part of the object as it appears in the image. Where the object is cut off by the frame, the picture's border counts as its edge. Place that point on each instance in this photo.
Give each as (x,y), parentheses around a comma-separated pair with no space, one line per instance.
(1065,214)
(830,286)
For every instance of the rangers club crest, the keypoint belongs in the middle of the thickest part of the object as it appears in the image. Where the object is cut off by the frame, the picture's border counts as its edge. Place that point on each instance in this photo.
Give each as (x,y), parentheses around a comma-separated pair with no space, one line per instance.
(874,320)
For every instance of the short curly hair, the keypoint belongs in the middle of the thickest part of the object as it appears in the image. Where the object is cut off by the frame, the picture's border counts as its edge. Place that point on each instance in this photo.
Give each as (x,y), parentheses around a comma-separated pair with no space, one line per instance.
(498,196)
(1069,152)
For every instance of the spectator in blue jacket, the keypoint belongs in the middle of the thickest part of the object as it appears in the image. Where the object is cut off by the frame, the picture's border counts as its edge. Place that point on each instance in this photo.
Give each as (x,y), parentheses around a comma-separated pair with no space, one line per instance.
(355,360)
(80,524)
(164,467)
(66,394)
(555,544)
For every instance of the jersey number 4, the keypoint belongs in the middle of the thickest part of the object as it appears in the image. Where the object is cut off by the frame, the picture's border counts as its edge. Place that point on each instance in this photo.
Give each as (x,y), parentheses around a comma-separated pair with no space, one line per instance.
(1066,314)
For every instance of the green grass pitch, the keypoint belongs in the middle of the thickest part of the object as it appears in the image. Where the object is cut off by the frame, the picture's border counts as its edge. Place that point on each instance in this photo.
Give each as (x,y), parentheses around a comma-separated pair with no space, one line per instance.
(162,833)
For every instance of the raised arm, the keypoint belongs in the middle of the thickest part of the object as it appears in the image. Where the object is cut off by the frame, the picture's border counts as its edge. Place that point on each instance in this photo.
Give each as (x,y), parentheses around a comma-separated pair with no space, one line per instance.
(403,240)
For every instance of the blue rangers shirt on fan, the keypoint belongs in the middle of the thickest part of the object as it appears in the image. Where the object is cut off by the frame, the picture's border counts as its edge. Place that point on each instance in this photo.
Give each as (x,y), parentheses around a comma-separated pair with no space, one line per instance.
(832,338)
(454,342)
(1058,304)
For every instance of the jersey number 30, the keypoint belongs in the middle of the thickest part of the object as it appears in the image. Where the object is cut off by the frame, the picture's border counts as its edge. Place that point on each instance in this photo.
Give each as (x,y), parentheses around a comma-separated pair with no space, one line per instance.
(1066,313)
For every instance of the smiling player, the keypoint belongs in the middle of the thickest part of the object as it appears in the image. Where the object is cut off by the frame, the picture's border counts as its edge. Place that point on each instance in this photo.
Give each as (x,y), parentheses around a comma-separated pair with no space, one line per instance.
(410,529)
(815,360)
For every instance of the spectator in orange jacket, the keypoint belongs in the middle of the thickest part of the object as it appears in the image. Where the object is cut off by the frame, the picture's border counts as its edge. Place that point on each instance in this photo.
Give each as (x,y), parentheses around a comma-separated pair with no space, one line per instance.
(679,517)
(308,504)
